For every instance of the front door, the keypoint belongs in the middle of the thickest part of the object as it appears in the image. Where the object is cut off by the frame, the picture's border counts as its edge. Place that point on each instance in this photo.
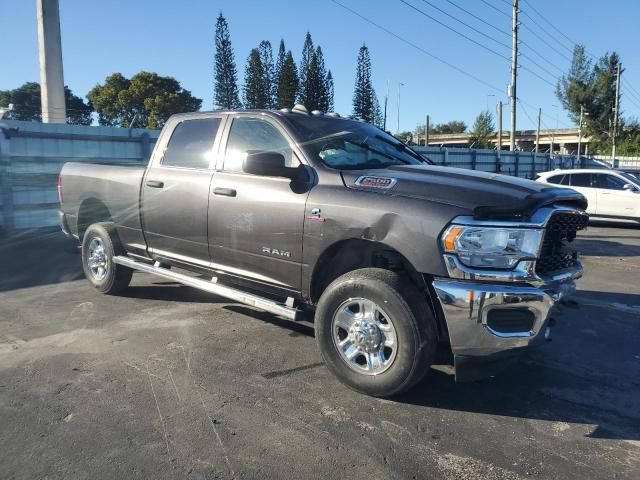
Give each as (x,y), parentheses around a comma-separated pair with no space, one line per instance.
(613,199)
(175,195)
(255,222)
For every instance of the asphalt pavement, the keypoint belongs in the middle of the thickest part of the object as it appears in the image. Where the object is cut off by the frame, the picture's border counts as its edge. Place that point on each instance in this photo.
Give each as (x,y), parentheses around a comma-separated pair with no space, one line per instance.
(167,382)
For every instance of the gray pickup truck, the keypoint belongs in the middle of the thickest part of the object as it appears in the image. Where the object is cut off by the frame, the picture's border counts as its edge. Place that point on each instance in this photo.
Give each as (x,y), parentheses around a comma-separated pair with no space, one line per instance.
(312,215)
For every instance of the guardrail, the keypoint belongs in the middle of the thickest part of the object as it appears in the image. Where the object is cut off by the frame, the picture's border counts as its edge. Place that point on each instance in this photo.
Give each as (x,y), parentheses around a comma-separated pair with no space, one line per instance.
(32,155)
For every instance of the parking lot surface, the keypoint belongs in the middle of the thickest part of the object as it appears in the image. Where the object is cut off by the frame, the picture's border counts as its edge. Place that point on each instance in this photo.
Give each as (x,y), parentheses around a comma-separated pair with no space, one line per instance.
(167,382)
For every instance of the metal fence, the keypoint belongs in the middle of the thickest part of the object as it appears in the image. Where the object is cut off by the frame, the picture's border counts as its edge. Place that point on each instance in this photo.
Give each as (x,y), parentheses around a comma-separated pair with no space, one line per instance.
(32,154)
(517,164)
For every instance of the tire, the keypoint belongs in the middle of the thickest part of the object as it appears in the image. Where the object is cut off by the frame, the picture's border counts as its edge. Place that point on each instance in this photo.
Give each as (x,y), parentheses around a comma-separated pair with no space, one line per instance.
(403,321)
(99,245)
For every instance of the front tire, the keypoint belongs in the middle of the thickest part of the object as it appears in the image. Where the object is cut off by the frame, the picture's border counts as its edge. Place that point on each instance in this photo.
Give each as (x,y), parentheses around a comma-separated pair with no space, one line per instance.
(376,331)
(99,245)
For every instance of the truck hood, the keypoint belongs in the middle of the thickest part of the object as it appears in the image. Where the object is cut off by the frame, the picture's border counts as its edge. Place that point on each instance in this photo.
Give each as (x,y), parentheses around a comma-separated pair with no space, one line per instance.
(486,195)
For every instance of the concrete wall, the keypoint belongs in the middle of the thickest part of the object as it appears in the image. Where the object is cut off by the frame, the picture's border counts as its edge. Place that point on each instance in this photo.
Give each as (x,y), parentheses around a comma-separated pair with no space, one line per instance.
(32,154)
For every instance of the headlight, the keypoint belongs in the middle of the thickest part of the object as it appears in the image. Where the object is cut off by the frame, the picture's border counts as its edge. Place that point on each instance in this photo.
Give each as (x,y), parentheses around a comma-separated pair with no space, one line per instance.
(491,247)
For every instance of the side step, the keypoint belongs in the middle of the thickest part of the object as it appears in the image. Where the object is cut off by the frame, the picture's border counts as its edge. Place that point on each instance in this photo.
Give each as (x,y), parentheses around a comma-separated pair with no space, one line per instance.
(211,287)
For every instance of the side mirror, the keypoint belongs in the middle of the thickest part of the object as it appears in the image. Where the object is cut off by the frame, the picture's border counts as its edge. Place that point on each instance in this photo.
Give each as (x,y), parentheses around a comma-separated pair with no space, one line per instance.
(266,164)
(629,187)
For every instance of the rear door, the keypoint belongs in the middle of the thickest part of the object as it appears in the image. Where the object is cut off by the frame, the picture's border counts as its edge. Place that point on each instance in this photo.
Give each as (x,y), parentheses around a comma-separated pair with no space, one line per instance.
(256,222)
(582,183)
(175,192)
(613,199)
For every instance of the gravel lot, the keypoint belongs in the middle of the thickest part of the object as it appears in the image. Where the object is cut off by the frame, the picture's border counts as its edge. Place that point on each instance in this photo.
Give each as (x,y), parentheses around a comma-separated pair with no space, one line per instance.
(168,382)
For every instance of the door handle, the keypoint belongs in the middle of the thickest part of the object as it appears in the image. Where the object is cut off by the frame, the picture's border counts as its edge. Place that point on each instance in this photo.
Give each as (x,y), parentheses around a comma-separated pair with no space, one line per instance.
(226,192)
(155,184)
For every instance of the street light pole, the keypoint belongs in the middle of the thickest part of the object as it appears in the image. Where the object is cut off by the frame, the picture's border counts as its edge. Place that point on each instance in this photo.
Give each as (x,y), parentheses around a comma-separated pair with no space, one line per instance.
(400,84)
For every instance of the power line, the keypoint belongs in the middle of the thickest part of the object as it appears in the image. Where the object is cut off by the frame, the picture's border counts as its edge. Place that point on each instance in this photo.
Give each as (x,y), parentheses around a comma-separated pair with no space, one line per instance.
(495,8)
(479,19)
(408,42)
(535,34)
(466,24)
(454,30)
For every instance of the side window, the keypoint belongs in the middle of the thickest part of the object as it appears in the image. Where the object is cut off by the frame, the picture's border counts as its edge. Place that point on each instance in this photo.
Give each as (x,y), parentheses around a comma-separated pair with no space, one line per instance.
(609,182)
(252,135)
(191,143)
(581,180)
(559,179)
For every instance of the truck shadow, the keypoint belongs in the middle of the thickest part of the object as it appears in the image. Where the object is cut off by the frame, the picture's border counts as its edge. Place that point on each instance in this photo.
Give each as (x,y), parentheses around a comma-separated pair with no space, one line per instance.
(589,247)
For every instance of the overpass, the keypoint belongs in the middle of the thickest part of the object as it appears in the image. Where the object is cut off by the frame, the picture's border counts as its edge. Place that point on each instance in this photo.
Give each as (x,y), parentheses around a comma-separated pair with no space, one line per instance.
(563,140)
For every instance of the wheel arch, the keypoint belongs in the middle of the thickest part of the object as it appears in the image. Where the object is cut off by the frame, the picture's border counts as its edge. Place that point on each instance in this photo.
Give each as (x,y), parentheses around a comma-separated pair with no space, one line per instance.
(350,254)
(92,210)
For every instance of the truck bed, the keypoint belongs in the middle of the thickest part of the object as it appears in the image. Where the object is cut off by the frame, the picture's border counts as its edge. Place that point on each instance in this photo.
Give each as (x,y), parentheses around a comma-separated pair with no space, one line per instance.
(86,187)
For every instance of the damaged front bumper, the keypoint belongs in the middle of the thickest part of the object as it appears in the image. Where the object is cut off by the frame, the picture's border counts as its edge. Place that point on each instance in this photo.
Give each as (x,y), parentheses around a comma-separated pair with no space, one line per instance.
(491,322)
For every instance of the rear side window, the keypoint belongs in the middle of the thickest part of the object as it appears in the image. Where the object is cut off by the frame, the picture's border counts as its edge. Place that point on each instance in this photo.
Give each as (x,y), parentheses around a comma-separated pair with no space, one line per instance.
(191,143)
(581,180)
(559,179)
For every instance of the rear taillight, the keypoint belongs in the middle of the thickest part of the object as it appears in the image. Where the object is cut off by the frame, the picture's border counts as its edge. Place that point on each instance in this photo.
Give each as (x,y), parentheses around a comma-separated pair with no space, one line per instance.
(60,188)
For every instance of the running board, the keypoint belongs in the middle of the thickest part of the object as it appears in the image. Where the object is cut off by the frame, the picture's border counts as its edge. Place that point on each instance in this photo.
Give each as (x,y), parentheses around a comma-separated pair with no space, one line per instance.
(215,288)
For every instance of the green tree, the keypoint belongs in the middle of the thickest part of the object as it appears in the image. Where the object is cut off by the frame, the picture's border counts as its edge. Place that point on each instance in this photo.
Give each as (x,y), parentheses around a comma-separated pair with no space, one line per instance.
(256,90)
(307,91)
(268,71)
(454,126)
(482,132)
(287,83)
(147,97)
(329,92)
(27,104)
(225,75)
(364,95)
(592,87)
(282,55)
(321,77)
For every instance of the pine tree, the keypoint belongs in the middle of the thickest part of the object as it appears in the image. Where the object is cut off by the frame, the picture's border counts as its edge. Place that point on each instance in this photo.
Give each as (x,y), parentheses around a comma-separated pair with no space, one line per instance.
(378,119)
(282,54)
(256,93)
(266,57)
(329,89)
(287,82)
(364,95)
(320,77)
(225,75)
(305,91)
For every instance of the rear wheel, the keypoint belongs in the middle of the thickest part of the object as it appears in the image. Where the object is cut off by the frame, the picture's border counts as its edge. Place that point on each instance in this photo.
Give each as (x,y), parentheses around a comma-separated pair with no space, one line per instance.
(99,245)
(375,331)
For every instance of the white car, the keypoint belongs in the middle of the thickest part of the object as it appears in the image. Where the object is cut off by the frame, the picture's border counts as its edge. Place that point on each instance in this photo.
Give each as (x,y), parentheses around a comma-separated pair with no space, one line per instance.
(611,194)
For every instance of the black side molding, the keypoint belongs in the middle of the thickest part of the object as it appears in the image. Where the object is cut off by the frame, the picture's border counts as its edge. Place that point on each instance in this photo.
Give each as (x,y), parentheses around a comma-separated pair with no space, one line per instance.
(523,209)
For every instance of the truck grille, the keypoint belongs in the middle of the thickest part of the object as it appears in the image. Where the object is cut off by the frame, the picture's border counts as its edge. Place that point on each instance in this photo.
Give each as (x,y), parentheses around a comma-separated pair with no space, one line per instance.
(556,254)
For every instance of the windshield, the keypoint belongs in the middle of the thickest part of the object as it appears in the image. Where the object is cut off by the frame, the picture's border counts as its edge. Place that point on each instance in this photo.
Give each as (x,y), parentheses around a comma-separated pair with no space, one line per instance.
(351,145)
(632,178)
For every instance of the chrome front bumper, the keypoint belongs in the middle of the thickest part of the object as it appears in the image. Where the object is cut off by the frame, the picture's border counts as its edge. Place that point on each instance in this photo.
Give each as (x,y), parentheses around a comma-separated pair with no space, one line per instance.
(480,350)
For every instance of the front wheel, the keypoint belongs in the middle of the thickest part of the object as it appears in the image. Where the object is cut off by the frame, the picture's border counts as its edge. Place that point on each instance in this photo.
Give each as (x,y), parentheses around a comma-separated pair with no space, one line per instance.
(375,331)
(99,245)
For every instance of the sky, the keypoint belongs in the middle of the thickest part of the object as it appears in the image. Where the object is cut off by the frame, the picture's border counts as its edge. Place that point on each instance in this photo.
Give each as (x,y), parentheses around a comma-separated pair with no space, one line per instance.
(176,38)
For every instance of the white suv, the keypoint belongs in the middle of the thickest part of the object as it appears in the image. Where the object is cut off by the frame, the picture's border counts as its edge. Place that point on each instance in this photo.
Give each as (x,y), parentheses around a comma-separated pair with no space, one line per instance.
(611,194)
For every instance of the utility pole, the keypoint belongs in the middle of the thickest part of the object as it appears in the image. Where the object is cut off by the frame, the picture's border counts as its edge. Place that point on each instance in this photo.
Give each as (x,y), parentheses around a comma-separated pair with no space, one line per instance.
(426,131)
(50,53)
(514,74)
(500,125)
(580,132)
(538,131)
(615,117)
